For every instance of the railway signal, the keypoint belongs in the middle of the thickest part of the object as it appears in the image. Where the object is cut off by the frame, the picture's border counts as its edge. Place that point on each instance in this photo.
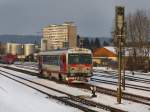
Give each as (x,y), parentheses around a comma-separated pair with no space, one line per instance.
(119,34)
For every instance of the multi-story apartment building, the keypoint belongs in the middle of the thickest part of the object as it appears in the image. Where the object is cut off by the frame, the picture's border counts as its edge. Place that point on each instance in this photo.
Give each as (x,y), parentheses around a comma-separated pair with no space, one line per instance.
(59,36)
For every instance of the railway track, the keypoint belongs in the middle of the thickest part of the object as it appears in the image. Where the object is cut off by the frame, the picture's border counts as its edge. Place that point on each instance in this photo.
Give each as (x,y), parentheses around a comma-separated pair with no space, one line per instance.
(114,76)
(26,67)
(128,77)
(75,101)
(144,88)
(126,96)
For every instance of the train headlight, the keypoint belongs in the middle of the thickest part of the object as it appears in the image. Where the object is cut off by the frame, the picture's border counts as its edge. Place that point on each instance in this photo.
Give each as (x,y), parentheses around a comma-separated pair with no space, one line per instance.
(67,79)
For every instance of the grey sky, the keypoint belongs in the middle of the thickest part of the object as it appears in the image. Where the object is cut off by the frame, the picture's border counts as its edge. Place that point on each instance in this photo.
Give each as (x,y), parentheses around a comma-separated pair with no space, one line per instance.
(92,17)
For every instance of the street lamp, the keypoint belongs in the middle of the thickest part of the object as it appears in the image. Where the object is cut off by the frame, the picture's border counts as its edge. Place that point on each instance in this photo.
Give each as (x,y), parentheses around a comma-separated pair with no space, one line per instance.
(119,34)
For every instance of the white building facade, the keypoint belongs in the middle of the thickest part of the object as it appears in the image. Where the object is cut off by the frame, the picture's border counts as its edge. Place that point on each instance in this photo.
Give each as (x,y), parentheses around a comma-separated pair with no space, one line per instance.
(59,36)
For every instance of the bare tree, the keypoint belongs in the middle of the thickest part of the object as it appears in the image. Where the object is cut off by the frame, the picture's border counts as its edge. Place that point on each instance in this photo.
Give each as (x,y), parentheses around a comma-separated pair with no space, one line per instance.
(138,33)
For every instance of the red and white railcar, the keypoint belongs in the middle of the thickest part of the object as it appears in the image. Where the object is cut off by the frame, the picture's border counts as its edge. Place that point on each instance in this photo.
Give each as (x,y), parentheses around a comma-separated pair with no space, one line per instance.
(9,58)
(71,65)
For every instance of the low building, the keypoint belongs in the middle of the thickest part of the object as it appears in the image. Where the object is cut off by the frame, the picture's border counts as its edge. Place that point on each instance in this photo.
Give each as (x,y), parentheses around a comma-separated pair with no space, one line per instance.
(105,55)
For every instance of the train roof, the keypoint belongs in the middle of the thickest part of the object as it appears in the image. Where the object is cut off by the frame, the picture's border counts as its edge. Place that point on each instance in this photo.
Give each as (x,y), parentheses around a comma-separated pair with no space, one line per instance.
(65,51)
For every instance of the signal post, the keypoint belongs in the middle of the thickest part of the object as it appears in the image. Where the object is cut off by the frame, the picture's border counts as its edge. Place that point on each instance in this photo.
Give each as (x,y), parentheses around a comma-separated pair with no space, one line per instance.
(120,38)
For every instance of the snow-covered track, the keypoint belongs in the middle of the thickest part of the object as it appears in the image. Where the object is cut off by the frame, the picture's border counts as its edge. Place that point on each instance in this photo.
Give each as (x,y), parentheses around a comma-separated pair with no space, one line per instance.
(21,70)
(144,88)
(126,96)
(115,76)
(128,77)
(27,67)
(75,101)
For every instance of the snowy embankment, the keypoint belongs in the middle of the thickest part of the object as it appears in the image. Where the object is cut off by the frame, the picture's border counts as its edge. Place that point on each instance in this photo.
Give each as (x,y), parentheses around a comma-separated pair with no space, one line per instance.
(101,98)
(15,97)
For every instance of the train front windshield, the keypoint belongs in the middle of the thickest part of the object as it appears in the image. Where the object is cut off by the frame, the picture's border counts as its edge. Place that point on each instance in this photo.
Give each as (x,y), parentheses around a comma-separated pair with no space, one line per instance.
(79,59)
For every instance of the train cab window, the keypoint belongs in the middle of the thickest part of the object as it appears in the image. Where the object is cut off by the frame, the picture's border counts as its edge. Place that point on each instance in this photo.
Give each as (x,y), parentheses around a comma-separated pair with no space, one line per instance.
(73,59)
(79,59)
(86,58)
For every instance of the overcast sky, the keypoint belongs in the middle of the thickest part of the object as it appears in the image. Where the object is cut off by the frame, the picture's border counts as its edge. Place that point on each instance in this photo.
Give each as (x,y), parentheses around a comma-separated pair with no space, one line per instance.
(92,17)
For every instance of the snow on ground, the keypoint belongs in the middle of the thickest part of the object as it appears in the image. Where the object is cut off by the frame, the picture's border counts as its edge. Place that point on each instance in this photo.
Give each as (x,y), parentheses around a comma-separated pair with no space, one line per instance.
(116,80)
(138,74)
(102,98)
(19,67)
(128,90)
(52,84)
(129,106)
(103,68)
(109,69)
(15,97)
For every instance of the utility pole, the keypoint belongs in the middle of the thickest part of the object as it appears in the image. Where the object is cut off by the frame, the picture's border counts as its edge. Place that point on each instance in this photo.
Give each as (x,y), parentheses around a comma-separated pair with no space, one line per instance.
(119,34)
(123,58)
(123,68)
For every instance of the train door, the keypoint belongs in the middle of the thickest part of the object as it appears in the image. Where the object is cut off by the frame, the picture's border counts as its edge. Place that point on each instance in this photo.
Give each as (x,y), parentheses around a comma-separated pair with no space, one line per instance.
(63,63)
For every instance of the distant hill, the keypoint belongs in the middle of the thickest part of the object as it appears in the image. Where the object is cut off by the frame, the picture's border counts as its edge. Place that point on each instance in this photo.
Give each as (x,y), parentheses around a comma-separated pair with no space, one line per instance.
(37,39)
(20,38)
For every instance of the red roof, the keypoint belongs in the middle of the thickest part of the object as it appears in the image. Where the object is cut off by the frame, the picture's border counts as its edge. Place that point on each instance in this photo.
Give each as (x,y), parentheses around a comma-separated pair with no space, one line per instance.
(103,52)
